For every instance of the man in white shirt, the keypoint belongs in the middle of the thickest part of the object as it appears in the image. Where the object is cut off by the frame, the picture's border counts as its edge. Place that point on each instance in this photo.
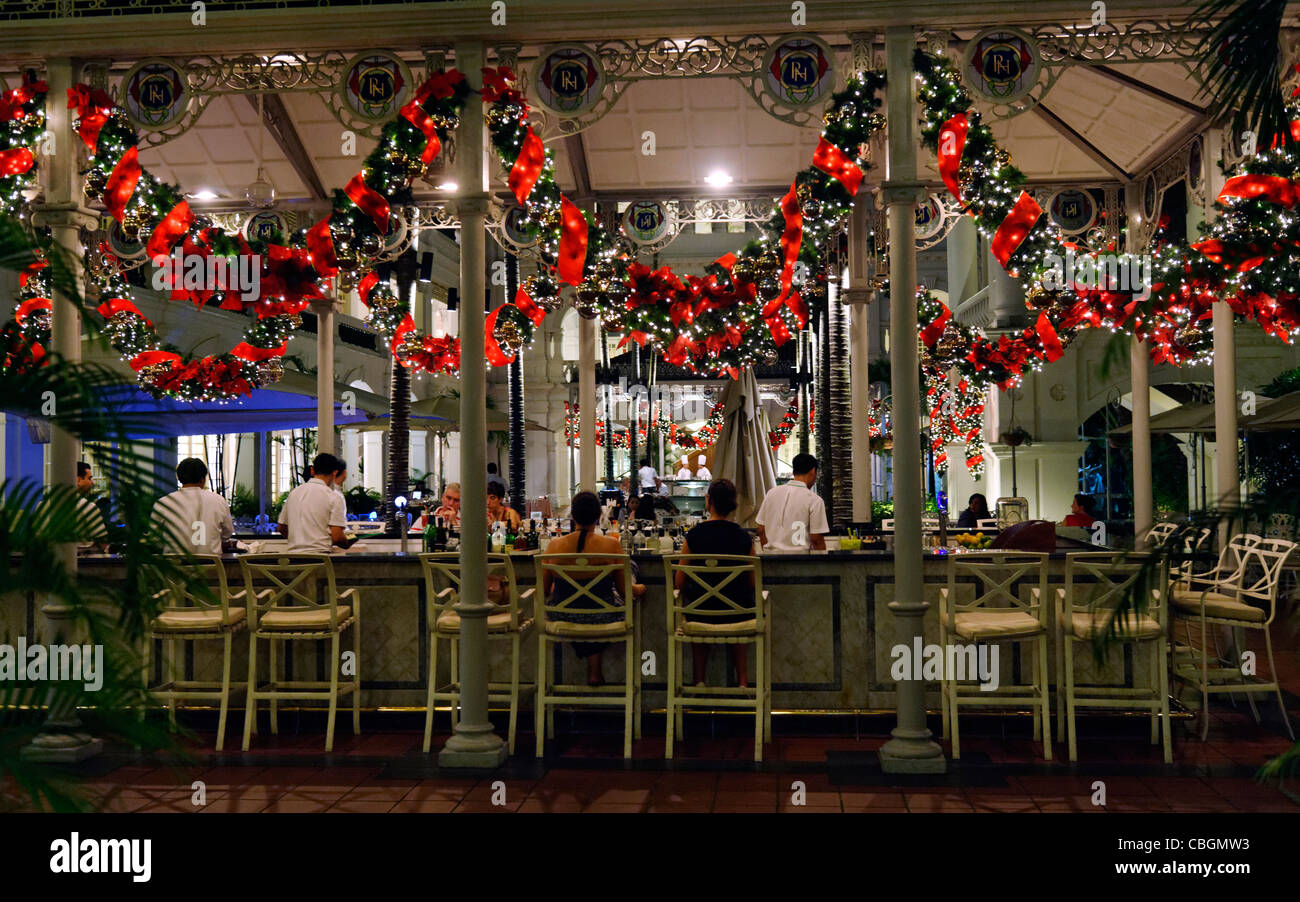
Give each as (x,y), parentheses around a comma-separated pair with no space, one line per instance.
(193,518)
(86,506)
(685,471)
(702,472)
(647,476)
(314,515)
(793,516)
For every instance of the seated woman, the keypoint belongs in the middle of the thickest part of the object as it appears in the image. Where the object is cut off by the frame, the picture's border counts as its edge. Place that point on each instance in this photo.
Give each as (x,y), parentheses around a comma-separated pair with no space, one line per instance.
(585,512)
(977,509)
(719,534)
(497,509)
(1080,512)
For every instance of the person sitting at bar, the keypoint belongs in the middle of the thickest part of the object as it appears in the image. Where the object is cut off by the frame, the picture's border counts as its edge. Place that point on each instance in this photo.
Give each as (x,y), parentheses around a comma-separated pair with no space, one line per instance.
(585,511)
(194,518)
(449,509)
(1080,512)
(493,476)
(792,517)
(89,508)
(977,509)
(645,507)
(314,515)
(498,510)
(719,534)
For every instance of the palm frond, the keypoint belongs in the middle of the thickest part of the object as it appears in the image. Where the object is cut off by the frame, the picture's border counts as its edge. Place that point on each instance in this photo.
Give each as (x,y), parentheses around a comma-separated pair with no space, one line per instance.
(1241,66)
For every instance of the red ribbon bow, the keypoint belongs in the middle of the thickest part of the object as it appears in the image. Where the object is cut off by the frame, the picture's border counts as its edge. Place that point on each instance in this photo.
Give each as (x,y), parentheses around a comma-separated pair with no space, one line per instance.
(839,165)
(952,142)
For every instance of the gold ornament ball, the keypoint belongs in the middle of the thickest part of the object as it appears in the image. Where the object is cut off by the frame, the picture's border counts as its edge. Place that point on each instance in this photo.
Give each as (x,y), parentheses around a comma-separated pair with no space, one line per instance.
(132,223)
(96,182)
(769,289)
(509,336)
(411,343)
(767,265)
(743,270)
(268,372)
(371,244)
(120,320)
(295,320)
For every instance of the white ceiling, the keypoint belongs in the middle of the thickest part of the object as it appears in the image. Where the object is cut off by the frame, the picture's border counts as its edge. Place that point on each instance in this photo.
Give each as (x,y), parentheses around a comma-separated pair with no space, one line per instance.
(700,124)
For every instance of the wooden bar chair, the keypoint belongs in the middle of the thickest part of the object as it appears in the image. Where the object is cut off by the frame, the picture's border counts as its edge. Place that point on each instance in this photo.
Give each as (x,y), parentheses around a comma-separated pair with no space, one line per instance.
(579,582)
(996,615)
(291,608)
(1245,601)
(714,618)
(1095,583)
(201,608)
(511,622)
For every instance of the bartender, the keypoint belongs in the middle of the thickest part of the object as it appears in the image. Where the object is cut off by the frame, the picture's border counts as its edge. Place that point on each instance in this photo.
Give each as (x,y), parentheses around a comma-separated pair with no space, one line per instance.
(314,515)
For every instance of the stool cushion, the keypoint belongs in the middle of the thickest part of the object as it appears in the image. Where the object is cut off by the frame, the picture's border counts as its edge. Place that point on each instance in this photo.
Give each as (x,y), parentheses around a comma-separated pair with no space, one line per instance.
(449,621)
(585,630)
(1006,624)
(197,619)
(710,628)
(1216,605)
(302,619)
(1087,624)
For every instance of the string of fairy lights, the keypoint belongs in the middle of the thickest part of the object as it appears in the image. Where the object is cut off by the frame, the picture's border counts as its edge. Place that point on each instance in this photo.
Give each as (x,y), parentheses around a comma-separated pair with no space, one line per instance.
(733,317)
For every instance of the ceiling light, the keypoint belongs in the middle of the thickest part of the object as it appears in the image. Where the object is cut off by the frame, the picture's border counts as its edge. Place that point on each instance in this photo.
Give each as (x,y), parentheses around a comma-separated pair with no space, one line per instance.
(205,194)
(449,187)
(718,178)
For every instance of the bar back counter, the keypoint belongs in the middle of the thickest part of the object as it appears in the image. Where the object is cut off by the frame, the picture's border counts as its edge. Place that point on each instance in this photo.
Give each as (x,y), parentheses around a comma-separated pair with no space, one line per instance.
(833,634)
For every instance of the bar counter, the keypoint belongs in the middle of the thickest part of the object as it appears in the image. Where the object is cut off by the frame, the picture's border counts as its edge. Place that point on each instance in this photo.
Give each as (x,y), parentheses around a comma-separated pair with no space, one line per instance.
(832,630)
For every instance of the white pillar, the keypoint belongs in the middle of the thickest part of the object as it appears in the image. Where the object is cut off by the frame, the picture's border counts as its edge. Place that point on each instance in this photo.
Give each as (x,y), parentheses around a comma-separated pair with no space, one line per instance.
(324,311)
(587,404)
(911,750)
(1143,496)
(858,298)
(961,250)
(372,456)
(62,737)
(473,744)
(350,440)
(1225,414)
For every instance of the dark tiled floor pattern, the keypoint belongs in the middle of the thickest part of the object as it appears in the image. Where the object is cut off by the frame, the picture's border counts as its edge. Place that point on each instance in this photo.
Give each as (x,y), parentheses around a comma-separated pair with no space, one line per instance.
(833,770)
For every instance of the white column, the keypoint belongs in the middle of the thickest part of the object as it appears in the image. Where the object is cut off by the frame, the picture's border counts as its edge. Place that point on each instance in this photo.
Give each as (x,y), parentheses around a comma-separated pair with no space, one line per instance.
(858,298)
(587,404)
(324,311)
(62,737)
(474,744)
(372,455)
(911,750)
(1143,496)
(961,251)
(351,451)
(1225,415)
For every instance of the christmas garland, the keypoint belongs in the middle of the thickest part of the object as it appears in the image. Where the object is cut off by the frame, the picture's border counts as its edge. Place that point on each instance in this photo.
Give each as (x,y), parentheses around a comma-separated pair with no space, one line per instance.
(703,438)
(291,275)
(778,436)
(730,319)
(22,113)
(979,174)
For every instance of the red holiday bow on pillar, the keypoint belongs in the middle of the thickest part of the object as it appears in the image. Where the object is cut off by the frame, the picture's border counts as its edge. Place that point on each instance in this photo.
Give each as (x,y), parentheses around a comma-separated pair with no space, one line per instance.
(952,142)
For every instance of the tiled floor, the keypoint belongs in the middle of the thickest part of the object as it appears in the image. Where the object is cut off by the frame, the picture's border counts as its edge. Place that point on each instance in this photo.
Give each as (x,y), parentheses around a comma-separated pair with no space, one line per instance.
(813,765)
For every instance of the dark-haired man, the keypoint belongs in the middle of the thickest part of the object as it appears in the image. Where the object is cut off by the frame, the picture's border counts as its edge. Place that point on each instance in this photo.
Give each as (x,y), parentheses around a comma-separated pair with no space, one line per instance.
(793,516)
(314,515)
(195,519)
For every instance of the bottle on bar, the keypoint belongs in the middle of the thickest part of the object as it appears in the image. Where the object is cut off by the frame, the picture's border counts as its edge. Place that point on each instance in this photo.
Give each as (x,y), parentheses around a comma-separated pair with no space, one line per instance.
(453,538)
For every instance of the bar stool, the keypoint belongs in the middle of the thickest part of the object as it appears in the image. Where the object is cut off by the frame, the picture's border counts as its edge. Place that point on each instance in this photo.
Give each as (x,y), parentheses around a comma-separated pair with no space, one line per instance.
(1245,600)
(997,614)
(1095,583)
(193,611)
(508,622)
(291,609)
(713,618)
(580,598)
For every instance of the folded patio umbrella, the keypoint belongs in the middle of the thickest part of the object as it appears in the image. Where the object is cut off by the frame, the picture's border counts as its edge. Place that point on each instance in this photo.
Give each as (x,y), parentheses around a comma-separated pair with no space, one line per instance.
(743,452)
